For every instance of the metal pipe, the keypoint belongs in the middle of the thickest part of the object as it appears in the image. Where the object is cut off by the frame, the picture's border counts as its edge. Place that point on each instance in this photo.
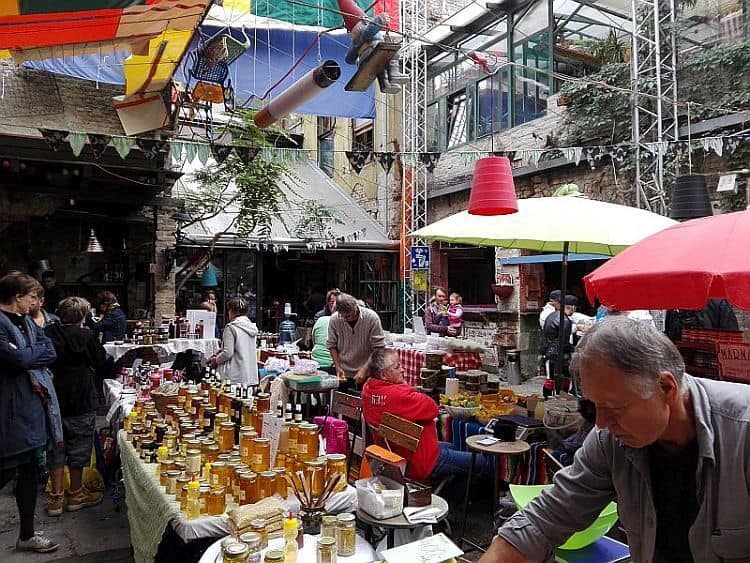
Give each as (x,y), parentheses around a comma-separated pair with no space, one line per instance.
(306,88)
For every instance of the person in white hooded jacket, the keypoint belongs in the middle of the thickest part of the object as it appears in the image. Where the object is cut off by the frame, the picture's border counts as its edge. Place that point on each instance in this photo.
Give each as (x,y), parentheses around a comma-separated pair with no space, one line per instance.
(237,361)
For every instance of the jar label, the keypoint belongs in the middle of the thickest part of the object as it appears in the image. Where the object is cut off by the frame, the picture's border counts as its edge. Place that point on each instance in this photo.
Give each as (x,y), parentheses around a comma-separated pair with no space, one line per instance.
(257,459)
(302,448)
(244,451)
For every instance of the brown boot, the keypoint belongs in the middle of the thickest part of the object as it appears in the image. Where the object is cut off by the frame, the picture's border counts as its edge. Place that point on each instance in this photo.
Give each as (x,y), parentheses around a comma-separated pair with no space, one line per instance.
(55,504)
(83,498)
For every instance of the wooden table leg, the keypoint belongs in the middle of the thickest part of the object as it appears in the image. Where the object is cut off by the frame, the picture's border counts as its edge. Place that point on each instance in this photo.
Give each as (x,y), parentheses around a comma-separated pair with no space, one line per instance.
(466,498)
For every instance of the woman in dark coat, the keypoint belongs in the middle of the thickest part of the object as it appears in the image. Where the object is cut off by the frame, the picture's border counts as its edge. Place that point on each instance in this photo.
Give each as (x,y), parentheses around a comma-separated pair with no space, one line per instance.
(113,322)
(27,403)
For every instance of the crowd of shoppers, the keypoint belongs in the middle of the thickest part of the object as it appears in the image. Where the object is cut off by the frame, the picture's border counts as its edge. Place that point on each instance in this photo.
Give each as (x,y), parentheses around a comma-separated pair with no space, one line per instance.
(48,397)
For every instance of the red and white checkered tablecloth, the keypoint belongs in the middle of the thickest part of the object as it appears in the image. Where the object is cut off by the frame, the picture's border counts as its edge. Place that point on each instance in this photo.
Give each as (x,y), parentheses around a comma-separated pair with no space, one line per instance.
(413,361)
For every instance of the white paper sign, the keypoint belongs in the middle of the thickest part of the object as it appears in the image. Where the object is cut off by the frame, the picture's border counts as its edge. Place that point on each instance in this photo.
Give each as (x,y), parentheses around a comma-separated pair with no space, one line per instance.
(727,183)
(194,316)
(435,549)
(272,426)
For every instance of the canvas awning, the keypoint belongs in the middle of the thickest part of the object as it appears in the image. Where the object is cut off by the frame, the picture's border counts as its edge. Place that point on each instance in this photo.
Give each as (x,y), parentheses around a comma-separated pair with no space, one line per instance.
(357,229)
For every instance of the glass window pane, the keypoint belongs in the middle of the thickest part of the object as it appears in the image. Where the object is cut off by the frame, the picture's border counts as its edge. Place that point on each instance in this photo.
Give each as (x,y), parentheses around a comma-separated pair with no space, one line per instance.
(456,118)
(492,104)
(534,21)
(433,127)
(531,87)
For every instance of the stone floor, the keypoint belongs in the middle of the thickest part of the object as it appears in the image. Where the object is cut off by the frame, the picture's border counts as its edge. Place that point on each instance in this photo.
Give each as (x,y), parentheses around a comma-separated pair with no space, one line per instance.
(95,534)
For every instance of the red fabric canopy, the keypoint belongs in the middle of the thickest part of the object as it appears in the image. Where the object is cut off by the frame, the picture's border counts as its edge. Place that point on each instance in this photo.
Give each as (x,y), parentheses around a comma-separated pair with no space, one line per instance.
(681,267)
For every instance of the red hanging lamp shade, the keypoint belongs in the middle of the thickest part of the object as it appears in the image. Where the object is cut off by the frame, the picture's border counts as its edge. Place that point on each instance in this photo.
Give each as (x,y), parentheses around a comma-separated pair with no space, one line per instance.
(492,190)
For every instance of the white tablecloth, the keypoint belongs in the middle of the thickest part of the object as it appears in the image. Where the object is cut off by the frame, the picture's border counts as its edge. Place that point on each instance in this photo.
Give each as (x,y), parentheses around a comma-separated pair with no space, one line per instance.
(364,554)
(175,345)
(117,401)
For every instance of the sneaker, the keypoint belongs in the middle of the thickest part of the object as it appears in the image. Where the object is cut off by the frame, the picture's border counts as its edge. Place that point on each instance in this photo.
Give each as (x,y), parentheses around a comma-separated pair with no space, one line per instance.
(38,542)
(83,498)
(55,504)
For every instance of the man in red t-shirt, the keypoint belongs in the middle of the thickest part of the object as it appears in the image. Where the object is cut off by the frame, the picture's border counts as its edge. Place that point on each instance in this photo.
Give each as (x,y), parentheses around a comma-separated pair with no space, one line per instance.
(385,391)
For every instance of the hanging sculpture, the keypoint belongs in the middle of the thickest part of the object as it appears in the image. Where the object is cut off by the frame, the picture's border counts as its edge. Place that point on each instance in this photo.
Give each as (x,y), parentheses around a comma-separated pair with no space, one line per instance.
(375,56)
(298,93)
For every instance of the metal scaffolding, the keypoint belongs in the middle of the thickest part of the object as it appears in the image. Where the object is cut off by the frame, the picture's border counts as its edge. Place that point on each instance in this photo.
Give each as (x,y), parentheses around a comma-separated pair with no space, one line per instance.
(414,178)
(654,82)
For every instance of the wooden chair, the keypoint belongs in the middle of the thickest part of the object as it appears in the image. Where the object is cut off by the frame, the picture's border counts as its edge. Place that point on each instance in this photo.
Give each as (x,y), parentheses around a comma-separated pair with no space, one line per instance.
(349,408)
(405,433)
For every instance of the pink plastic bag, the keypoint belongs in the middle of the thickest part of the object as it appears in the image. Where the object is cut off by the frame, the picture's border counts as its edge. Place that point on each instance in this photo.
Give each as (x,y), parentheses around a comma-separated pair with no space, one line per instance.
(336,433)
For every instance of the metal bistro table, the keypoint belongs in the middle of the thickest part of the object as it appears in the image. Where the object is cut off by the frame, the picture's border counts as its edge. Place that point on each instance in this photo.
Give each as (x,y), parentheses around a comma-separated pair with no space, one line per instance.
(499,448)
(400,522)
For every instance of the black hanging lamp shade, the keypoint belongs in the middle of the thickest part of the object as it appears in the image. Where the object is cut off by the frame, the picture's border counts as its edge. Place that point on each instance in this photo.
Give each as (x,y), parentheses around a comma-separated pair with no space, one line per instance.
(690,198)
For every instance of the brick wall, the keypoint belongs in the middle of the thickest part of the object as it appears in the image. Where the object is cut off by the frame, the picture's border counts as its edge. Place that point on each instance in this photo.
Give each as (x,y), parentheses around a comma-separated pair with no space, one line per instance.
(164,288)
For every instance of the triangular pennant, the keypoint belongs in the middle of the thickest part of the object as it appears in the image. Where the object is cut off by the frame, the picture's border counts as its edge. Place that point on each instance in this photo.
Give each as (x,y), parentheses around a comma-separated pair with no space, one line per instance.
(357,159)
(151,147)
(246,154)
(731,144)
(190,150)
(77,142)
(221,152)
(123,145)
(98,143)
(175,150)
(386,160)
(619,153)
(202,152)
(592,155)
(429,159)
(53,137)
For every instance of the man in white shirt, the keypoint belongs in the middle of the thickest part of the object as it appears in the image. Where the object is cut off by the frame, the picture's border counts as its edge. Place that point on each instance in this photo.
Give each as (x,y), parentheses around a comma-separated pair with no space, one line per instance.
(555,298)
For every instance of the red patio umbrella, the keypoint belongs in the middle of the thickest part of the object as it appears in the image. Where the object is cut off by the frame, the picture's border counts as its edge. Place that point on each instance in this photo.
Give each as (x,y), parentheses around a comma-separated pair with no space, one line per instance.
(681,267)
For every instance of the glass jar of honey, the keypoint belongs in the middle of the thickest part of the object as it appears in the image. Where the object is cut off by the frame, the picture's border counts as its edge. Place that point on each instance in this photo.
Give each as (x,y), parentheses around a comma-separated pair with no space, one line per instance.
(226,437)
(263,402)
(346,534)
(261,454)
(233,481)
(219,419)
(247,413)
(307,442)
(266,484)
(216,501)
(193,461)
(315,472)
(212,452)
(248,488)
(205,492)
(172,476)
(328,526)
(326,552)
(259,527)
(219,475)
(293,437)
(281,484)
(336,464)
(247,435)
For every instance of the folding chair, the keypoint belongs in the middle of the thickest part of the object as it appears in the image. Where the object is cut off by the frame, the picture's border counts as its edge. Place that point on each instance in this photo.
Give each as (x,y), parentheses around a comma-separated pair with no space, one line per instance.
(349,408)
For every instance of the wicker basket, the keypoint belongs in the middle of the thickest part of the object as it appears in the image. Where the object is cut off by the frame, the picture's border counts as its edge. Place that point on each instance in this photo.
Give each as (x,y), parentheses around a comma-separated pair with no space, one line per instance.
(161,400)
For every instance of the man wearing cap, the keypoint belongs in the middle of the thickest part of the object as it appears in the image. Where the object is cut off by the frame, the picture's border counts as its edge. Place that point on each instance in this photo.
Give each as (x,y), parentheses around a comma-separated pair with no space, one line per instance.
(555,298)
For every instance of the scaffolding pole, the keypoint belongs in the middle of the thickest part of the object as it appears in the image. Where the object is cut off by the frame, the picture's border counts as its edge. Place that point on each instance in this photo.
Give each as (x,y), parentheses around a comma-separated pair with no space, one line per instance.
(654,83)
(414,178)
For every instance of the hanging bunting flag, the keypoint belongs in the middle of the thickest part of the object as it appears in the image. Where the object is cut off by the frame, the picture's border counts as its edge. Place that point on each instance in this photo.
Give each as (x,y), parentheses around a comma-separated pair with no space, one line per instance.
(203,151)
(469,158)
(151,147)
(246,154)
(619,153)
(221,152)
(175,150)
(123,145)
(572,153)
(358,159)
(532,156)
(77,142)
(98,143)
(429,159)
(53,137)
(713,144)
(680,148)
(731,144)
(385,159)
(191,150)
(592,155)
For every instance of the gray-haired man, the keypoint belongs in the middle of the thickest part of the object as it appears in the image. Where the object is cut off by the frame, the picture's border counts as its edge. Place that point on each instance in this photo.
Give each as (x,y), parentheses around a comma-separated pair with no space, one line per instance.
(353,333)
(672,450)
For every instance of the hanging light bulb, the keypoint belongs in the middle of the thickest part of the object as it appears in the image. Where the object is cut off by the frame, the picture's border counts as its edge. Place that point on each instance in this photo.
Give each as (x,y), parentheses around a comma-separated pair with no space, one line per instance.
(93,246)
(492,190)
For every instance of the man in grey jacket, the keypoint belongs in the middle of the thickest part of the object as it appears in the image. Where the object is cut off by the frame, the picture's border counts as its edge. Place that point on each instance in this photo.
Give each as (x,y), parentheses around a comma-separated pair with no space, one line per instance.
(673,451)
